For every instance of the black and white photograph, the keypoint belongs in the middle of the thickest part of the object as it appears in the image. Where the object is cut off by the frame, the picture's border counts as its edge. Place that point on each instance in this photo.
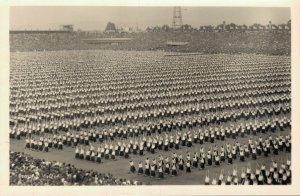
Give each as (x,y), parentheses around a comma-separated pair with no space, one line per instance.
(150,95)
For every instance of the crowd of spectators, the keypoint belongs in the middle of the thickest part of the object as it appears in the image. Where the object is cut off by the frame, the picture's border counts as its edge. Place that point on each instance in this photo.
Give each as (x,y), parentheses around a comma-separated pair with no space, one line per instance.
(28,171)
(272,43)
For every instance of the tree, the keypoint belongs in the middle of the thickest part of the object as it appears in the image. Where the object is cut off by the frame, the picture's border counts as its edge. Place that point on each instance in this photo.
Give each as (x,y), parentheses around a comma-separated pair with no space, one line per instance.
(165,28)
(186,28)
(110,27)
(148,29)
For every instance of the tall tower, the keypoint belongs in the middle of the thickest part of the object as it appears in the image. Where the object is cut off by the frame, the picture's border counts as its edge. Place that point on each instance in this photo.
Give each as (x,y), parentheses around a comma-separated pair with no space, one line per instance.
(177,18)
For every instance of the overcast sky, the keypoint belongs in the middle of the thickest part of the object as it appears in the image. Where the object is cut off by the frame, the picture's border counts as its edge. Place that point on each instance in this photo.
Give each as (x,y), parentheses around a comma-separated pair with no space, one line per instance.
(96,18)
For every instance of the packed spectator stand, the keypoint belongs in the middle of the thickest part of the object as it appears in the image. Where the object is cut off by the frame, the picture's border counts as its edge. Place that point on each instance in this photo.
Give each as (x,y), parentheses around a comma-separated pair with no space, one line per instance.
(265,42)
(26,170)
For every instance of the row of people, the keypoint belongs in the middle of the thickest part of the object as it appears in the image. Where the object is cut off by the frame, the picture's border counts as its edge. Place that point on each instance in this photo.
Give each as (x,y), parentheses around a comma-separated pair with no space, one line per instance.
(210,157)
(261,175)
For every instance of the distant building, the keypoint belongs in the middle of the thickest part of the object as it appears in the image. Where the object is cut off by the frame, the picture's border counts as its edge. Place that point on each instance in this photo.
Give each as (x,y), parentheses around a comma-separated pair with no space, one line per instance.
(67,27)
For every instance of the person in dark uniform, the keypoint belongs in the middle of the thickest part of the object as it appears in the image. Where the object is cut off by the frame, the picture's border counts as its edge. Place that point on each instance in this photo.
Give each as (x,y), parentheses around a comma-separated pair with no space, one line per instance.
(147,170)
(209,159)
(174,170)
(55,143)
(152,150)
(188,167)
(98,160)
(87,155)
(222,135)
(50,142)
(106,155)
(229,158)
(202,163)
(288,146)
(221,177)
(69,141)
(228,180)
(126,155)
(195,138)
(46,146)
(233,152)
(284,180)
(86,140)
(40,144)
(181,162)
(60,145)
(206,136)
(140,170)
(243,132)
(148,147)
(280,145)
(254,153)
(275,149)
(177,143)
(77,153)
(206,181)
(160,144)
(132,168)
(171,145)
(81,155)
(167,168)
(243,177)
(222,154)
(113,155)
(242,157)
(201,138)
(195,161)
(212,137)
(122,149)
(260,180)
(189,142)
(135,148)
(160,173)
(166,145)
(258,150)
(217,160)
(265,151)
(152,171)
(93,158)
(141,149)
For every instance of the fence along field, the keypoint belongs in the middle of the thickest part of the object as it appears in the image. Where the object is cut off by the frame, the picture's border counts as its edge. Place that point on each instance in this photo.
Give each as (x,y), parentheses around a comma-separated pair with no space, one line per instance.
(152,96)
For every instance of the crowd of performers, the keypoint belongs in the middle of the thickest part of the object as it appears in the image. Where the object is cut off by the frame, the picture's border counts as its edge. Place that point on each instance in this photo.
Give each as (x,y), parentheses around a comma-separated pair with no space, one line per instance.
(111,150)
(191,98)
(169,140)
(251,125)
(214,156)
(138,107)
(276,174)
